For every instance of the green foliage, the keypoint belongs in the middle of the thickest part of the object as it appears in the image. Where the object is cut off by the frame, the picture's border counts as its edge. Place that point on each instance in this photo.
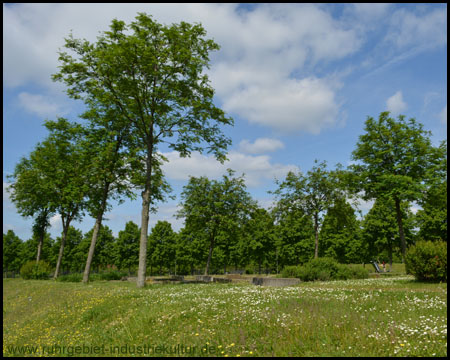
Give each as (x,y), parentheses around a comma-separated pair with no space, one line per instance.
(313,193)
(127,246)
(12,247)
(36,271)
(162,246)
(215,211)
(340,234)
(324,269)
(427,260)
(291,271)
(392,162)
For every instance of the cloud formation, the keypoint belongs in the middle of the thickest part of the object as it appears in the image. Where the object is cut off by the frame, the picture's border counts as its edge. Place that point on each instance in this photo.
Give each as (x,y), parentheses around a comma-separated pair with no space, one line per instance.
(260,146)
(395,103)
(257,169)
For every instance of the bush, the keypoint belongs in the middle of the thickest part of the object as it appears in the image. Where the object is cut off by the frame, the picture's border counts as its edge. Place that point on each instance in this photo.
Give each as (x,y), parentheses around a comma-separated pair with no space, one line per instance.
(324,269)
(113,275)
(37,271)
(427,261)
(291,272)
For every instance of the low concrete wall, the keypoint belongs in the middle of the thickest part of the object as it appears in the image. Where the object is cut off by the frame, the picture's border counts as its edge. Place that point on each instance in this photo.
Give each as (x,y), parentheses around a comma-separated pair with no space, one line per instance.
(275,281)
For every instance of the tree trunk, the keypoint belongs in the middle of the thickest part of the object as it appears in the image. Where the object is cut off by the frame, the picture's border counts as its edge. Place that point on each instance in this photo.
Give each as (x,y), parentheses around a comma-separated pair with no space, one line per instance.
(87,269)
(61,248)
(211,246)
(39,249)
(145,218)
(400,228)
(316,231)
(98,224)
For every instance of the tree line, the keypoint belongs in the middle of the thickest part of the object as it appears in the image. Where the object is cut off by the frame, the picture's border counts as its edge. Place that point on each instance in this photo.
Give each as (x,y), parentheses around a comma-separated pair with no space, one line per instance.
(225,229)
(144,85)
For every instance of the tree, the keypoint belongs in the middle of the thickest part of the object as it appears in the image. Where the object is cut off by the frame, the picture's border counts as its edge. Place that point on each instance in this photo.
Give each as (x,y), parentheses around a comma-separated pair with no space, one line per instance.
(215,210)
(104,144)
(127,247)
(380,231)
(104,247)
(294,234)
(63,169)
(260,237)
(340,233)
(164,250)
(73,260)
(313,192)
(432,218)
(29,195)
(152,75)
(393,157)
(11,251)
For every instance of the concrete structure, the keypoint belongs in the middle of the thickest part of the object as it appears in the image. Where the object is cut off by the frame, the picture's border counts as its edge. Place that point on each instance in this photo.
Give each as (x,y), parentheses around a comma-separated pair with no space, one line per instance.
(266,281)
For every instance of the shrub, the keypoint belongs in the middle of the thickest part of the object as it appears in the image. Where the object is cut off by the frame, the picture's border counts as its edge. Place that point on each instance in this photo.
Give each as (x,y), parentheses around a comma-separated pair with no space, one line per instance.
(113,275)
(427,261)
(324,269)
(291,271)
(37,271)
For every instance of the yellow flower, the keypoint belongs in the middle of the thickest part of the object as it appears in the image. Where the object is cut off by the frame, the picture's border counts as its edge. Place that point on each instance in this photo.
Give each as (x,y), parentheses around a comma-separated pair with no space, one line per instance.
(402,344)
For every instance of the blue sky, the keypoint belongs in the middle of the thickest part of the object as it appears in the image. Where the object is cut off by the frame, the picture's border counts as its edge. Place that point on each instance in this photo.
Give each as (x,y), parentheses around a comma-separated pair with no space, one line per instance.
(298,79)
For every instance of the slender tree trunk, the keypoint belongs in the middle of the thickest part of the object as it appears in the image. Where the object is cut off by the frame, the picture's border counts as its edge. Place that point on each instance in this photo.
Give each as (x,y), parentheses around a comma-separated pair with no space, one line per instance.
(87,269)
(61,248)
(39,249)
(208,262)
(400,228)
(144,219)
(316,231)
(98,224)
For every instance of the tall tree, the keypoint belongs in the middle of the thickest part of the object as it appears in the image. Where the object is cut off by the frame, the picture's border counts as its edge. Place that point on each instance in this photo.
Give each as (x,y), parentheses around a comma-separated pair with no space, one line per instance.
(63,169)
(392,160)
(29,195)
(340,233)
(11,251)
(152,74)
(127,247)
(164,240)
(216,209)
(259,236)
(432,218)
(104,144)
(313,192)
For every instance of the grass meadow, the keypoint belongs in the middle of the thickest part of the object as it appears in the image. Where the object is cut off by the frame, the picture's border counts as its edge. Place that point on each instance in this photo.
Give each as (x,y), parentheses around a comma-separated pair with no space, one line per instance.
(384,316)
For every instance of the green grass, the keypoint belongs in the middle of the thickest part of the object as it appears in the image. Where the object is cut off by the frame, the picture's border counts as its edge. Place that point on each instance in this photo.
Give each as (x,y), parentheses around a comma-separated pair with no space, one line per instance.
(391,316)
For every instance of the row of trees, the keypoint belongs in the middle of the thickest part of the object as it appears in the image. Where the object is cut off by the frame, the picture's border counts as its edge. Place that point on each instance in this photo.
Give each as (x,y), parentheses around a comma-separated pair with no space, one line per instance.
(144,85)
(225,229)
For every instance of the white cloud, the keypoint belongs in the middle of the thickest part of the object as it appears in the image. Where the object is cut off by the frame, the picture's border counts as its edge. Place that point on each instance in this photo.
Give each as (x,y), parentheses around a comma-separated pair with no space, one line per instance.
(257,169)
(288,106)
(257,60)
(40,105)
(443,115)
(420,29)
(395,103)
(260,146)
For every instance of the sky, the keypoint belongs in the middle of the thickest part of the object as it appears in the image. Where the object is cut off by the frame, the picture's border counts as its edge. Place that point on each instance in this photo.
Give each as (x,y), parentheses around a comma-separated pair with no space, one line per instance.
(299,81)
